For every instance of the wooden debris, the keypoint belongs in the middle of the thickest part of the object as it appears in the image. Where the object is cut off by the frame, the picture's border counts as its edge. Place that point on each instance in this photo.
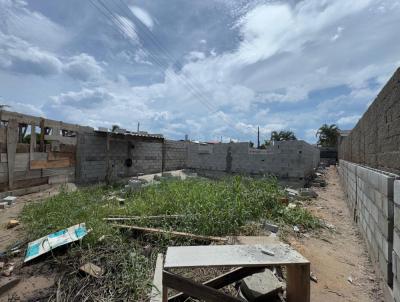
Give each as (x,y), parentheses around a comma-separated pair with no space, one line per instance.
(48,164)
(172,233)
(194,289)
(4,287)
(222,280)
(92,270)
(157,293)
(12,223)
(122,218)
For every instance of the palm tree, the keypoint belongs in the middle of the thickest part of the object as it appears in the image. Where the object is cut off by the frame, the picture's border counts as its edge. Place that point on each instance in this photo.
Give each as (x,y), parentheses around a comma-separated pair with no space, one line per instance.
(283,136)
(114,128)
(327,135)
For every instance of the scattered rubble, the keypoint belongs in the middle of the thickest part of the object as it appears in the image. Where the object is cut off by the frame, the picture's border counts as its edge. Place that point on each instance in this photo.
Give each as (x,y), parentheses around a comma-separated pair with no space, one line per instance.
(313,277)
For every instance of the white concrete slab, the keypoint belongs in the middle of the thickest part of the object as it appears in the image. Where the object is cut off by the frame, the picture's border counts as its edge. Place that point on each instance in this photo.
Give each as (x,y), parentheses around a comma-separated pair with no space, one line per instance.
(232,255)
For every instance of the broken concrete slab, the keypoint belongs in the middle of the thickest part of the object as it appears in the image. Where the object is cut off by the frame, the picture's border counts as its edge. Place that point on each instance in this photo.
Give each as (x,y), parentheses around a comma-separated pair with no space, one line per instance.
(261,286)
(10,200)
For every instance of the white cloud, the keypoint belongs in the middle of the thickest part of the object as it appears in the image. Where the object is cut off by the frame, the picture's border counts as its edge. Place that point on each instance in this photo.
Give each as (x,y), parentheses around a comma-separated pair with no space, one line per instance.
(195,56)
(349,120)
(32,26)
(143,16)
(84,99)
(83,67)
(19,56)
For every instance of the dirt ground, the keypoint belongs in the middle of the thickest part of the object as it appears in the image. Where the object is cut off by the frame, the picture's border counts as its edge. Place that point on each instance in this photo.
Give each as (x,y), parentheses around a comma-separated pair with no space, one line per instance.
(339,254)
(34,279)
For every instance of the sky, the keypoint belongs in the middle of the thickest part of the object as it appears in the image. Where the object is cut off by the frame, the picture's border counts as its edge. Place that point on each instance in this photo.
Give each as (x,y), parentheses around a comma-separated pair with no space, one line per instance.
(210,69)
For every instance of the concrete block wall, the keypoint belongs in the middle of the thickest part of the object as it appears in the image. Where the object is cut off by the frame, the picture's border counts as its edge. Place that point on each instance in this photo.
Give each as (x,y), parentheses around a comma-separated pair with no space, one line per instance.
(370,195)
(94,163)
(375,140)
(396,242)
(290,159)
(175,155)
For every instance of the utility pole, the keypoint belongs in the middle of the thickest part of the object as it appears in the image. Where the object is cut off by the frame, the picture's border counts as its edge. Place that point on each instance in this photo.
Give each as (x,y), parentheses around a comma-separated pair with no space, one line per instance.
(258,137)
(138,126)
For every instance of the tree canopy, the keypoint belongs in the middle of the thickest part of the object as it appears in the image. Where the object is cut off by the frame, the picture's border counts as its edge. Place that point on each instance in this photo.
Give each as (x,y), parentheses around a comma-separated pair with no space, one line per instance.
(327,135)
(284,135)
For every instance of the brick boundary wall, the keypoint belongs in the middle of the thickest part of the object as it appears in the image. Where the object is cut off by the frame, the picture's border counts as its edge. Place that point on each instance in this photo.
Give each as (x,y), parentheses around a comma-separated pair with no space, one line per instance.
(375,140)
(374,201)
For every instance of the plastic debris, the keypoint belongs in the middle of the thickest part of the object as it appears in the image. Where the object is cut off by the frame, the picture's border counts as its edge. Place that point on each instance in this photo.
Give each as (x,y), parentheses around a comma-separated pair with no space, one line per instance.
(50,242)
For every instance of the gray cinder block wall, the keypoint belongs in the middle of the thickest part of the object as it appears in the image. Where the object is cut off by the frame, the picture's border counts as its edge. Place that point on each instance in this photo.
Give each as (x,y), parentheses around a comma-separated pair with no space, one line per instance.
(370,196)
(175,155)
(375,140)
(288,159)
(95,163)
(396,242)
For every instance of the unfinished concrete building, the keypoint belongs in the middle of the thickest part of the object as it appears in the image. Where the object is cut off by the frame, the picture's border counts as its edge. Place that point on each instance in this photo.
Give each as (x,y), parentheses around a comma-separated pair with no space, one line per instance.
(39,152)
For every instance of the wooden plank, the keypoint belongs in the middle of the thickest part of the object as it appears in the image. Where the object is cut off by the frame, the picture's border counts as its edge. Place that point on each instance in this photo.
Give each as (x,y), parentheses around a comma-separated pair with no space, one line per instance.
(12,139)
(32,146)
(25,191)
(62,139)
(49,164)
(3,135)
(298,283)
(6,285)
(70,171)
(157,286)
(63,155)
(25,183)
(171,233)
(123,218)
(23,148)
(231,255)
(58,179)
(223,280)
(21,175)
(194,289)
(67,148)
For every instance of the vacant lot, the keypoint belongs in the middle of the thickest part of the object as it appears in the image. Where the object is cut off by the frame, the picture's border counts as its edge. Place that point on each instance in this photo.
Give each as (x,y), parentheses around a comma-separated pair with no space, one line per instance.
(217,208)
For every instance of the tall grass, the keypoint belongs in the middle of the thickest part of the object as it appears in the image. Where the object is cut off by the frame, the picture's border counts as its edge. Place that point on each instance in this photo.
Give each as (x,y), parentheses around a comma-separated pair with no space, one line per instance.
(217,208)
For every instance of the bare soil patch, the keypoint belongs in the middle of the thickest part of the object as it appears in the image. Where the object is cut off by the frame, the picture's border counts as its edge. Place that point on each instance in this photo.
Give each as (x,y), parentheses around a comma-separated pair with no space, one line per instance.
(338,254)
